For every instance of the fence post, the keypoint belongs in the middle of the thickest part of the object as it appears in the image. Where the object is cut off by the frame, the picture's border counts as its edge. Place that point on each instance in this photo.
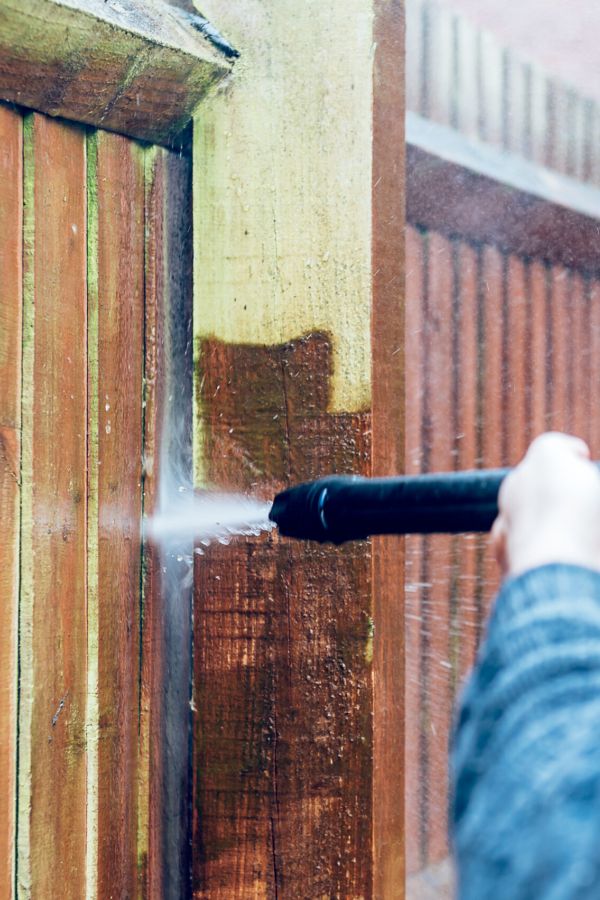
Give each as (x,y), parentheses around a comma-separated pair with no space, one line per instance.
(299,201)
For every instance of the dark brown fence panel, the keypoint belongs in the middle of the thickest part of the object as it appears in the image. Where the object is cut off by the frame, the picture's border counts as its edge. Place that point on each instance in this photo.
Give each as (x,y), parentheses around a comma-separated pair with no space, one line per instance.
(283,644)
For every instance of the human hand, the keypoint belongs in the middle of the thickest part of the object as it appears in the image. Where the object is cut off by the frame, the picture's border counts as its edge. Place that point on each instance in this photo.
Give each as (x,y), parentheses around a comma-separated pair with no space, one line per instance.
(549,508)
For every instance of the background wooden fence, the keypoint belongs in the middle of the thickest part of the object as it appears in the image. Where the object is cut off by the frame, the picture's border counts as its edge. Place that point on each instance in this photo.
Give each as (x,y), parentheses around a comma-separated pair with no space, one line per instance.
(502,343)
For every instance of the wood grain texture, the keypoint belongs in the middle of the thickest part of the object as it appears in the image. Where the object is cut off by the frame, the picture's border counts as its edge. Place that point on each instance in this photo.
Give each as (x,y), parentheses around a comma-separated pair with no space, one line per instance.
(139,68)
(438,440)
(559,373)
(466,551)
(53,638)
(11,252)
(120,337)
(165,724)
(499,349)
(150,849)
(515,351)
(283,645)
(388,457)
(416,275)
(537,355)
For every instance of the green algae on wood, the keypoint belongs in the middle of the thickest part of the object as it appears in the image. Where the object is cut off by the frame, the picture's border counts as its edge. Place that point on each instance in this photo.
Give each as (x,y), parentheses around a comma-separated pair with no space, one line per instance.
(283,185)
(138,69)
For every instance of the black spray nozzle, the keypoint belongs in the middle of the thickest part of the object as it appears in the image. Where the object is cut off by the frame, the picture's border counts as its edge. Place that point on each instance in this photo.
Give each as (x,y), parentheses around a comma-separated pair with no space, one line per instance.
(344,508)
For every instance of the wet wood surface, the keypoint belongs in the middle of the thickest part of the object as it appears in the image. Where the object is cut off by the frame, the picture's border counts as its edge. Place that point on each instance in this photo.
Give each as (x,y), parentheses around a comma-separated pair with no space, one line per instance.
(165,688)
(53,628)
(11,252)
(118,403)
(150,846)
(283,645)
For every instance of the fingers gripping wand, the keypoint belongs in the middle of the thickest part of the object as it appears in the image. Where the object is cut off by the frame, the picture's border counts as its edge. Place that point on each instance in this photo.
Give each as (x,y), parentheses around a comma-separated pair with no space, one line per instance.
(343,508)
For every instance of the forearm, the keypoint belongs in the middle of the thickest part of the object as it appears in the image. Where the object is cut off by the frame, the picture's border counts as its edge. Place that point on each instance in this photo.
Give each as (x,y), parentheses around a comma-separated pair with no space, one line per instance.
(526,756)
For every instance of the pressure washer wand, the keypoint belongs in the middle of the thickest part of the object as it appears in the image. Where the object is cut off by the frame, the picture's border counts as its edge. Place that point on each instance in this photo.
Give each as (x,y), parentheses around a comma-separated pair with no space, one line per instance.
(345,508)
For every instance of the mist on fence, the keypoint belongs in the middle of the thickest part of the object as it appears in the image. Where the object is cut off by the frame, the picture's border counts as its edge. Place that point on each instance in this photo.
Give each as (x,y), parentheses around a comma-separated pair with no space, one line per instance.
(502,320)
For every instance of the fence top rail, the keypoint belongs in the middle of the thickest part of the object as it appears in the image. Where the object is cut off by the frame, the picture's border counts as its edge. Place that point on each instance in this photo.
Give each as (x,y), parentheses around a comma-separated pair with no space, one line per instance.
(462,76)
(464,188)
(137,67)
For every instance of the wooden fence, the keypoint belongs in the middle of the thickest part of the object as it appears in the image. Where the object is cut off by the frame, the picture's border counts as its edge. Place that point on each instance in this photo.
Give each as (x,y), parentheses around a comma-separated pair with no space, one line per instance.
(502,341)
(266,759)
(89,280)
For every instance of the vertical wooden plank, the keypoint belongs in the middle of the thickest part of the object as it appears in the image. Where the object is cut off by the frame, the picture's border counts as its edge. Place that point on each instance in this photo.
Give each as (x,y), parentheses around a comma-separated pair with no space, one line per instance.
(538,353)
(440,58)
(388,458)
(463,627)
(492,370)
(150,848)
(595,146)
(467,100)
(93,520)
(437,569)
(120,299)
(561,335)
(490,81)
(165,713)
(578,358)
(53,638)
(413,546)
(515,381)
(492,411)
(594,299)
(11,253)
(414,54)
(539,87)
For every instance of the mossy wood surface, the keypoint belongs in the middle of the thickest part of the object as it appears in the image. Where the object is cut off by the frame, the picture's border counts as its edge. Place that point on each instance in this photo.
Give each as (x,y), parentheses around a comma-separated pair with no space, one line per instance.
(138,68)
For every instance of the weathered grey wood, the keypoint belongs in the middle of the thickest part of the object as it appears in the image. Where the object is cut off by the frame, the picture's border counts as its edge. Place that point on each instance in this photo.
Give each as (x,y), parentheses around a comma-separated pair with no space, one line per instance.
(138,67)
(471,190)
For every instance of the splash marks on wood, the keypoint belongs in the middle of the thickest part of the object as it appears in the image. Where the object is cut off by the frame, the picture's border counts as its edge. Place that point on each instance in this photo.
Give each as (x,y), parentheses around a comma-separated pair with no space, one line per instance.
(283,764)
